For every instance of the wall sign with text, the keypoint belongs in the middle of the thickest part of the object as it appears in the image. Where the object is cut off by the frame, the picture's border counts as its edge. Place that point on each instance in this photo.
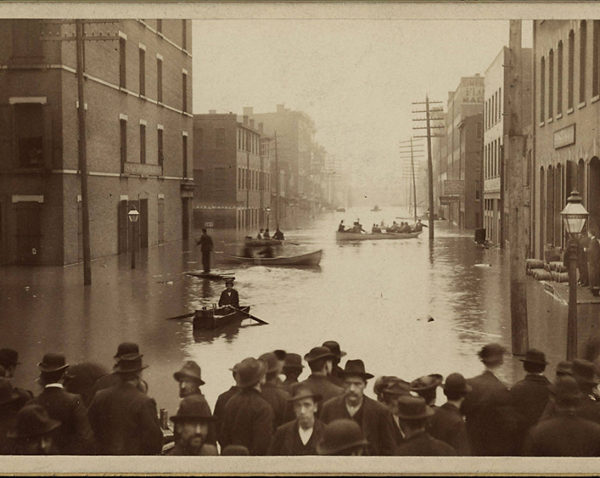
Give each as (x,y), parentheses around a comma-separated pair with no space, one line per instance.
(564,136)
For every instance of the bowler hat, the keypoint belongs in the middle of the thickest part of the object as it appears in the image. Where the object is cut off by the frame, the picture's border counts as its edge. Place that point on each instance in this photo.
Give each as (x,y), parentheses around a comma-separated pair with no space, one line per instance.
(490,353)
(397,387)
(426,382)
(382,382)
(193,407)
(413,408)
(189,370)
(300,390)
(340,435)
(229,280)
(270,360)
(334,347)
(128,351)
(564,368)
(317,353)
(566,389)
(249,372)
(53,363)
(235,450)
(9,357)
(535,356)
(280,354)
(456,383)
(292,362)
(584,372)
(7,393)
(32,420)
(129,366)
(355,367)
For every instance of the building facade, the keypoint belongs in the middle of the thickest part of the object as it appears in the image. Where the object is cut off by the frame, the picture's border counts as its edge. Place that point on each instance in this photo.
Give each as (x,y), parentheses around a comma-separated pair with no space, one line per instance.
(566,121)
(138,100)
(231,173)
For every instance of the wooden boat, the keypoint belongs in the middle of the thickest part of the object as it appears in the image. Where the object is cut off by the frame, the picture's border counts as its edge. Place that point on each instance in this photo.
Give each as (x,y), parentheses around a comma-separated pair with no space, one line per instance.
(211,275)
(262,242)
(340,209)
(215,318)
(355,236)
(310,259)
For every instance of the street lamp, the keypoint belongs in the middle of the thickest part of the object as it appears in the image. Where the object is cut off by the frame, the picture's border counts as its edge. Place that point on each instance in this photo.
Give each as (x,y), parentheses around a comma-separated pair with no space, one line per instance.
(268,211)
(574,216)
(133,216)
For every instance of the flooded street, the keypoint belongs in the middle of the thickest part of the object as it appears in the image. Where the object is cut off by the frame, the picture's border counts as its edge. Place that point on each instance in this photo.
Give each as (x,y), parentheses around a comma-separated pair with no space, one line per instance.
(404,307)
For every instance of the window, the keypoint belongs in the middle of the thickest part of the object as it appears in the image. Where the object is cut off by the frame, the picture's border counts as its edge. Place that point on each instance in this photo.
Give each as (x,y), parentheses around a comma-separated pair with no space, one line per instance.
(29,129)
(123,142)
(199,137)
(542,88)
(571,68)
(142,143)
(184,91)
(220,178)
(559,79)
(184,34)
(184,156)
(161,157)
(550,84)
(142,72)
(220,137)
(122,63)
(159,26)
(582,52)
(26,38)
(595,59)
(159,80)
(499,104)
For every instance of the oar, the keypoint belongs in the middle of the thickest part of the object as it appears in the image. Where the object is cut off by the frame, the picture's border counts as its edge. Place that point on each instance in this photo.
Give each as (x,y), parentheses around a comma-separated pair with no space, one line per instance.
(248,315)
(184,316)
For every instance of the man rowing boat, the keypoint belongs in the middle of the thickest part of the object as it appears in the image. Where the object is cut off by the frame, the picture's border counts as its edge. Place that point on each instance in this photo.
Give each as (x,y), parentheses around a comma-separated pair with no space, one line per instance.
(229,296)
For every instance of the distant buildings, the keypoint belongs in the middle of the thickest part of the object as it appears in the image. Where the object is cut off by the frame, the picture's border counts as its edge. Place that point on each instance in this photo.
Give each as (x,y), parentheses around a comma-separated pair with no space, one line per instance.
(138,97)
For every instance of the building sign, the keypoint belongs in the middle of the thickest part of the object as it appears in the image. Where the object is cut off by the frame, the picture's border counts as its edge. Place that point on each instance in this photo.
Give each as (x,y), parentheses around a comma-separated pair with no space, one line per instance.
(454,187)
(448,200)
(208,224)
(564,137)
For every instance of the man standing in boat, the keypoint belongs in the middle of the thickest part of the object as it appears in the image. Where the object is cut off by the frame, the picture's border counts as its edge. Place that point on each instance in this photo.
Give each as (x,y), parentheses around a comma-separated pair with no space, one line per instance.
(206,246)
(278,235)
(229,296)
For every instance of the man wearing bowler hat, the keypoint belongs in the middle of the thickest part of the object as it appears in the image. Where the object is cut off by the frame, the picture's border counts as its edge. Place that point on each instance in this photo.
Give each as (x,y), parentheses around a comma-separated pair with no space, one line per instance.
(373,418)
(342,437)
(124,350)
(491,421)
(414,413)
(34,431)
(74,436)
(566,433)
(275,394)
(447,422)
(192,423)
(9,359)
(124,419)
(320,361)
(10,404)
(336,370)
(248,417)
(299,436)
(292,368)
(426,387)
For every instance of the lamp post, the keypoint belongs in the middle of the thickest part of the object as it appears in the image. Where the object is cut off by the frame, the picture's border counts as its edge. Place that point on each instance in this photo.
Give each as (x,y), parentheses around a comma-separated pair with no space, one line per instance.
(574,216)
(268,211)
(133,216)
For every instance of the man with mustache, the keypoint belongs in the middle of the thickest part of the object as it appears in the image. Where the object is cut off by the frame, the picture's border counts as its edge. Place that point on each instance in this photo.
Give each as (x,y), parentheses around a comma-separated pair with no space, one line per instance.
(191,428)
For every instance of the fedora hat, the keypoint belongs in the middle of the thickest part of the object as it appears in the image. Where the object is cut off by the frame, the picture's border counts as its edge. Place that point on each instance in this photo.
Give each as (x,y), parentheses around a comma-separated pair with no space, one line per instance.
(490,353)
(317,353)
(249,372)
(397,387)
(564,368)
(566,389)
(9,357)
(293,362)
(339,435)
(355,367)
(7,393)
(427,382)
(193,407)
(584,372)
(280,354)
(271,362)
(382,382)
(190,370)
(334,347)
(535,356)
(229,280)
(128,351)
(299,391)
(413,408)
(32,420)
(129,366)
(456,383)
(53,363)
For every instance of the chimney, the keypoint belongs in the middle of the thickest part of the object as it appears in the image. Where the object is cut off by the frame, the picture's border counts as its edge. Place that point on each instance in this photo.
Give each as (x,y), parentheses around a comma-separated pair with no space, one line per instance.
(260,127)
(245,119)
(212,112)
(280,108)
(248,110)
(251,123)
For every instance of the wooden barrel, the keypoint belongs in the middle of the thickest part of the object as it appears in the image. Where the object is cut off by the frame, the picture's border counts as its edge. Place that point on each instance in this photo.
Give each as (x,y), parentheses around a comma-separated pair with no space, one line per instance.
(542,274)
(534,263)
(562,277)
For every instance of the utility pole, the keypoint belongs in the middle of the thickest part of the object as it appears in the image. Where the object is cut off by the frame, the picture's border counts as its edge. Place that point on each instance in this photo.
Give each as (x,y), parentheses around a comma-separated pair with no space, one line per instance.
(411,148)
(429,127)
(276,185)
(515,141)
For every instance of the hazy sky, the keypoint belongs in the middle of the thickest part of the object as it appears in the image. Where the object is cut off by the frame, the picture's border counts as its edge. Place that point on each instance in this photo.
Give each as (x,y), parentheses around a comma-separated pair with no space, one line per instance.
(355,78)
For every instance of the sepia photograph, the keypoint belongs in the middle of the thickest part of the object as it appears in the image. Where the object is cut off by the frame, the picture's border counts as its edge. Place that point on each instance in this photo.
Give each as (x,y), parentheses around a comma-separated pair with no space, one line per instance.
(299,238)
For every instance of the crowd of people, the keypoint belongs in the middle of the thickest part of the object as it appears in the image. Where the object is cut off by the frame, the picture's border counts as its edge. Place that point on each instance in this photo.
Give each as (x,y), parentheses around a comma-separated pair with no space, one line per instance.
(83,410)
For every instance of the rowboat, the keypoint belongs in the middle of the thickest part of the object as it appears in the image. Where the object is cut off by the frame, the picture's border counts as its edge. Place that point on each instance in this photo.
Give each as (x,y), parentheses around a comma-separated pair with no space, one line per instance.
(356,236)
(310,259)
(211,275)
(262,242)
(215,318)
(340,209)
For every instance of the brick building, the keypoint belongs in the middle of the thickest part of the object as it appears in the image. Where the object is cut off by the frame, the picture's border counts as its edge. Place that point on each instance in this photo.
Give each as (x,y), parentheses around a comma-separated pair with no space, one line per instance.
(231,172)
(137,103)
(566,122)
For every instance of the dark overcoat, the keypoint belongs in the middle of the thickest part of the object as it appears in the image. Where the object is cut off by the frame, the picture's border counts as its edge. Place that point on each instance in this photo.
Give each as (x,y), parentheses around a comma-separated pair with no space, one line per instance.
(566,434)
(491,421)
(286,440)
(588,408)
(219,412)
(376,423)
(74,436)
(229,297)
(125,422)
(323,386)
(447,424)
(529,398)
(248,421)
(8,416)
(423,444)
(278,399)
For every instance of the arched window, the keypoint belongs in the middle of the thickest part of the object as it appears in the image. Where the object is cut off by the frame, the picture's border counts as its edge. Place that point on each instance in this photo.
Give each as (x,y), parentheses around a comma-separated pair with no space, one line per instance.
(542,88)
(582,53)
(550,84)
(571,69)
(559,79)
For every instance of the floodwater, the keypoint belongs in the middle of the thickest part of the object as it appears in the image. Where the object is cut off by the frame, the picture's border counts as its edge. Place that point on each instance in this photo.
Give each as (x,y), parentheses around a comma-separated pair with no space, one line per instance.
(404,307)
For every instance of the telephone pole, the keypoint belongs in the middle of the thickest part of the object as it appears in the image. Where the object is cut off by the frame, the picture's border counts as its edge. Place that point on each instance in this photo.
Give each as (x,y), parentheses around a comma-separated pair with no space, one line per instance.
(515,141)
(276,185)
(404,150)
(428,119)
